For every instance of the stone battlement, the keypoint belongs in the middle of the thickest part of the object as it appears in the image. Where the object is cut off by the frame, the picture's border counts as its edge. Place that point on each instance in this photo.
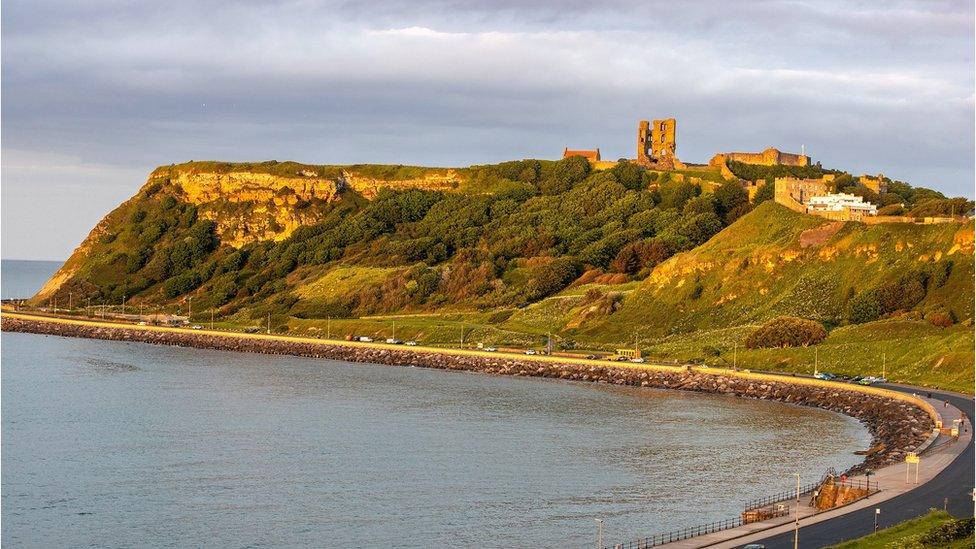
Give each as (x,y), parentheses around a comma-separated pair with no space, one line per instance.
(768,157)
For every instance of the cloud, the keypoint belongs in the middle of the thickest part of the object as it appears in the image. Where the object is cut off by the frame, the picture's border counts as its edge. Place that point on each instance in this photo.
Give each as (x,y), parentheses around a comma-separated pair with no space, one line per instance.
(886,86)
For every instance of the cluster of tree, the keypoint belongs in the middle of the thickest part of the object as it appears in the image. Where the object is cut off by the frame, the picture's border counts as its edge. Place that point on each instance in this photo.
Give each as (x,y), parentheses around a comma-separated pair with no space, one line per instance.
(900,294)
(787,331)
(537,227)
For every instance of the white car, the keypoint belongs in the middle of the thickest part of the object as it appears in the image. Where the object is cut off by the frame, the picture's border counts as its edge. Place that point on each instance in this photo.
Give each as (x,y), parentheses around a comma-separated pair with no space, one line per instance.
(530,351)
(394,341)
(638,359)
(365,339)
(142,322)
(490,349)
(197,327)
(412,343)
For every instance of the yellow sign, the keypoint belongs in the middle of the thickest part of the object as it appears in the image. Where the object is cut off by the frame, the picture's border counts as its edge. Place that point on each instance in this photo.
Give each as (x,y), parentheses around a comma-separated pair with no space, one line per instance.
(912,457)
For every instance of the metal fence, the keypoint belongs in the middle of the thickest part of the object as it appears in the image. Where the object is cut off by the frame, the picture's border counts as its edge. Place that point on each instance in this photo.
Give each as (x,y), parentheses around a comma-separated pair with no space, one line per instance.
(678,535)
(702,529)
(785,495)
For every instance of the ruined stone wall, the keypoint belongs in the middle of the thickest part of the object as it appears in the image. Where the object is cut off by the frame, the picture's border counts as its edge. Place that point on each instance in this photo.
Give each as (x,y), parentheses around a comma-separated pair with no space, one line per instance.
(663,138)
(876,184)
(768,157)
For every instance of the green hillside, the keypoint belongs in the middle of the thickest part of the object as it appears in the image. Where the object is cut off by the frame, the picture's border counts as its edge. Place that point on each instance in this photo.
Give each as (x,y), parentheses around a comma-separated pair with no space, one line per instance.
(512,253)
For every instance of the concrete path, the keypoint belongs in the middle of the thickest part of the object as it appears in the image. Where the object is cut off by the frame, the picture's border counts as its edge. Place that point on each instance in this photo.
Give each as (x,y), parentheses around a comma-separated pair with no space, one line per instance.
(945,463)
(891,479)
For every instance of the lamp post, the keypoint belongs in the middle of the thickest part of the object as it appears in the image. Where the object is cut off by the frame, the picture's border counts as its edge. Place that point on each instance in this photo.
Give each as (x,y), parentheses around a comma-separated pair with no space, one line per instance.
(796,514)
(877,514)
(123,304)
(599,533)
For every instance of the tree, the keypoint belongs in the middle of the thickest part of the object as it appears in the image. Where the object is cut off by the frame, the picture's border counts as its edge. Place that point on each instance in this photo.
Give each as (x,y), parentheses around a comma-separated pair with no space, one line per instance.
(674,194)
(629,175)
(766,191)
(787,331)
(700,204)
(865,307)
(729,198)
(548,279)
(700,228)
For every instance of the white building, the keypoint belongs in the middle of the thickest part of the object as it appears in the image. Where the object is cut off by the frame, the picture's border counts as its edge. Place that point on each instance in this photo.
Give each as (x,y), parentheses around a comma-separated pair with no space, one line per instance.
(840,206)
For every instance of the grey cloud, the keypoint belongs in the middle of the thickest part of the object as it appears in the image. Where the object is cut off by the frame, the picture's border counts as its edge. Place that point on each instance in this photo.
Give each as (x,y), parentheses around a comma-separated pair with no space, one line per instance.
(121,87)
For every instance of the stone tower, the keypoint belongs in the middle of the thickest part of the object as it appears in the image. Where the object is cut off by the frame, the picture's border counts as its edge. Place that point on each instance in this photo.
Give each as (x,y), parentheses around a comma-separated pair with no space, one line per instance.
(656,142)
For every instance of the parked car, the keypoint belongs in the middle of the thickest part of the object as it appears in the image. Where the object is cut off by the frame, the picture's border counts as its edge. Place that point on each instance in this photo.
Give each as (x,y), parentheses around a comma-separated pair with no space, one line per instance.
(412,343)
(638,360)
(619,358)
(869,380)
(197,327)
(491,349)
(394,341)
(824,375)
(591,357)
(530,351)
(366,339)
(142,322)
(754,546)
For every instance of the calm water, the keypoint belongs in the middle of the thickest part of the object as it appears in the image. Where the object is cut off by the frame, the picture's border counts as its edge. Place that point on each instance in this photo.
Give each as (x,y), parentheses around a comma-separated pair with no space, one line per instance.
(126,444)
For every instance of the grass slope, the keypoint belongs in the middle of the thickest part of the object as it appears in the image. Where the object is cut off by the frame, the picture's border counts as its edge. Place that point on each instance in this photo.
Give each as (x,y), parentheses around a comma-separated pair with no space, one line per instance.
(911,534)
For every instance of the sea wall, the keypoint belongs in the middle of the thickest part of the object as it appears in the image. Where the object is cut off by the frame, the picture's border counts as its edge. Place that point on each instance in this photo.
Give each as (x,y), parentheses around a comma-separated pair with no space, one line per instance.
(897,425)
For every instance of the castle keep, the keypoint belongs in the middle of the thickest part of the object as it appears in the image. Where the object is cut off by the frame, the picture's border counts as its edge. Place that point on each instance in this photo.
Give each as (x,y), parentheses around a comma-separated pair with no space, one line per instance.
(656,143)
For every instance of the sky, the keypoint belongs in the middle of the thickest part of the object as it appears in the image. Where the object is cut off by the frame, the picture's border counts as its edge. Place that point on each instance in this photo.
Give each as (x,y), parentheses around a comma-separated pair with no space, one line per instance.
(96,94)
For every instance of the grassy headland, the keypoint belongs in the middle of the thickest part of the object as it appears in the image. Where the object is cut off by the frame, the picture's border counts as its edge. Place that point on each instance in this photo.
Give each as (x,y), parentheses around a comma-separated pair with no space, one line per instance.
(509,254)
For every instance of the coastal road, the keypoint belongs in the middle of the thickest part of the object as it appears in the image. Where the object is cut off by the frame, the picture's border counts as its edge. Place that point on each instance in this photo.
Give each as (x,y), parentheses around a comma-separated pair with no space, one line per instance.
(955,482)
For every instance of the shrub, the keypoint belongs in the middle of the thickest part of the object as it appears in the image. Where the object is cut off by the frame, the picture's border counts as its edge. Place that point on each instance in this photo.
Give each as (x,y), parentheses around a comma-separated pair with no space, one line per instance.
(864,307)
(548,279)
(940,319)
(787,331)
(765,192)
(947,532)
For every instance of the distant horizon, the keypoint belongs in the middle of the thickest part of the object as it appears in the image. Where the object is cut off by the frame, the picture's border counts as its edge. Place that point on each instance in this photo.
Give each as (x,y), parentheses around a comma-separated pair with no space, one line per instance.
(33,260)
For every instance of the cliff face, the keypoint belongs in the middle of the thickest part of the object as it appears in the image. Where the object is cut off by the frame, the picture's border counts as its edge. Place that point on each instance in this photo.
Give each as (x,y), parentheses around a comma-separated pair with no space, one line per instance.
(250,206)
(254,202)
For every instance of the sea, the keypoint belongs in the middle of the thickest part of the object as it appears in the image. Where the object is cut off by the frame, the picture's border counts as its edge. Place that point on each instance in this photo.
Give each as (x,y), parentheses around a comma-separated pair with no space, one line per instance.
(118,444)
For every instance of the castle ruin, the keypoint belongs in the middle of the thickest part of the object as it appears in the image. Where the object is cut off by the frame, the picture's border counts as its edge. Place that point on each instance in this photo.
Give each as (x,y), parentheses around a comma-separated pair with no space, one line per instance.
(657,144)
(769,157)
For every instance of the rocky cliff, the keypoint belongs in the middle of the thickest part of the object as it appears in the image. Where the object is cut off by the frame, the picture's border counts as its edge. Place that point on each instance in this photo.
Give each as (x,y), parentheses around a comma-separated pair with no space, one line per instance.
(251,205)
(247,202)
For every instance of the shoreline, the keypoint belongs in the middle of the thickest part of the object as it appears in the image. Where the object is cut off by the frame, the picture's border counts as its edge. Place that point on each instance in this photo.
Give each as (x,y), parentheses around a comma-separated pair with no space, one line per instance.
(898,423)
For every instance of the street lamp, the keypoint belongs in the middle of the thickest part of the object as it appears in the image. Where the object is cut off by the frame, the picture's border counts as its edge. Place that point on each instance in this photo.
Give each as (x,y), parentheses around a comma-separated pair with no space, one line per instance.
(796,514)
(877,514)
(599,533)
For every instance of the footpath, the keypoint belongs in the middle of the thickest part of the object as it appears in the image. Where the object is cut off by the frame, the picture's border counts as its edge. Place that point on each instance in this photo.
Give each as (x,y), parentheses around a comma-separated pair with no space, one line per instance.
(893,480)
